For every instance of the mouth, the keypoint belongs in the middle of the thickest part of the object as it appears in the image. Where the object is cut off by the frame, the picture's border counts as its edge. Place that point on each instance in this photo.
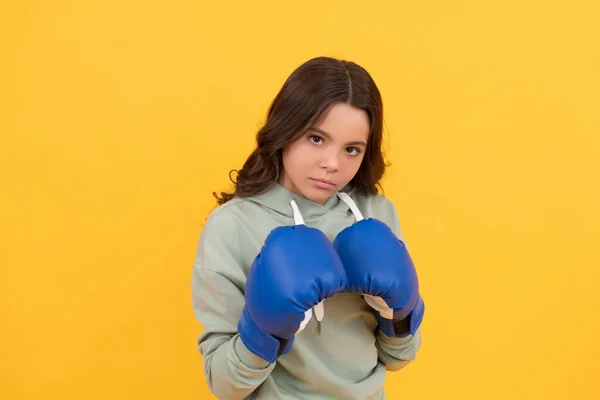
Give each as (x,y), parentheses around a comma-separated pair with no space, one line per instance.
(323,182)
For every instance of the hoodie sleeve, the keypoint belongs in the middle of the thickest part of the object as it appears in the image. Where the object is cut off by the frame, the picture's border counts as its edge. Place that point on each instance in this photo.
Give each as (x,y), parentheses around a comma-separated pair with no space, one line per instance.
(396,353)
(218,281)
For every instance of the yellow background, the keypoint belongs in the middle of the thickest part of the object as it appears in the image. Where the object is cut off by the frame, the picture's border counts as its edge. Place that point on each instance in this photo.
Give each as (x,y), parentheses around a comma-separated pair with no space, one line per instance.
(119,119)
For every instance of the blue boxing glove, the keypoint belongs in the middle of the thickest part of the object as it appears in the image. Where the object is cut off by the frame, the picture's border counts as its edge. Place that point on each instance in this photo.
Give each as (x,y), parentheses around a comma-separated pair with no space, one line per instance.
(379,266)
(295,271)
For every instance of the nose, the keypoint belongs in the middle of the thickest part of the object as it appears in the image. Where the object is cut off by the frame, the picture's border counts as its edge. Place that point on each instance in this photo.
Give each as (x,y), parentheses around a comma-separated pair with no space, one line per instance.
(330,162)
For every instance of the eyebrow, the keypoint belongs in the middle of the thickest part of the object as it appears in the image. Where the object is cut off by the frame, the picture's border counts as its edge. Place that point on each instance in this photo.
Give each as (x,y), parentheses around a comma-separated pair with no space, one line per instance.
(328,136)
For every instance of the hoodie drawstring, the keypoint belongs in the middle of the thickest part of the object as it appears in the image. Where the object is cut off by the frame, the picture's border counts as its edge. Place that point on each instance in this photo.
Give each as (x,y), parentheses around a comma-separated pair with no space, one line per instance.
(348,200)
(318,310)
(375,302)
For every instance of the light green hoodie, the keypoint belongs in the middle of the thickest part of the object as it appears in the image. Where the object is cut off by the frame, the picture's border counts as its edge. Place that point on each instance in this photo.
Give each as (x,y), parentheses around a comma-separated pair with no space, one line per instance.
(344,356)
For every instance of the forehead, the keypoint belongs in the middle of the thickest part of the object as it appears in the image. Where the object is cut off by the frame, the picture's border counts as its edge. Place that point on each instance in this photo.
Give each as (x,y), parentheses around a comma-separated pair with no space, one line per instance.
(344,122)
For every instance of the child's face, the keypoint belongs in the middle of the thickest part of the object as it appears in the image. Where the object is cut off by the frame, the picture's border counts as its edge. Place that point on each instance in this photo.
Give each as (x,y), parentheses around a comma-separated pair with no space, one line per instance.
(328,156)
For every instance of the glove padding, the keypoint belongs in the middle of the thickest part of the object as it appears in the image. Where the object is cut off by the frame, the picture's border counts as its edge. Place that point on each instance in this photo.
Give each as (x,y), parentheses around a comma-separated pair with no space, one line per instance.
(296,269)
(379,266)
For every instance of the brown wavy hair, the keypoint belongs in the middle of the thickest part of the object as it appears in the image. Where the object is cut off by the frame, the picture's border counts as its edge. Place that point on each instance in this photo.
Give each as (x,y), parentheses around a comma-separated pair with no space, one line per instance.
(302,101)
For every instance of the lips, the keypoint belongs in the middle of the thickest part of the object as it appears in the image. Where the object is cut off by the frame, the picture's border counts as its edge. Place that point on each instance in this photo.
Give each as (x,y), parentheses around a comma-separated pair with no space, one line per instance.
(323,181)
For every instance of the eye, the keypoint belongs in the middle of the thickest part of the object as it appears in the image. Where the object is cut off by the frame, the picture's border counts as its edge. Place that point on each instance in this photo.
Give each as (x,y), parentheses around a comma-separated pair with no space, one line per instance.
(353,151)
(316,139)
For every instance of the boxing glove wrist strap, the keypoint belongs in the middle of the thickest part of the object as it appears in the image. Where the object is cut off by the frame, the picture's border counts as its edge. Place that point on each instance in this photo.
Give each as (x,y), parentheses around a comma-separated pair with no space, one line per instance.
(260,342)
(393,327)
(405,326)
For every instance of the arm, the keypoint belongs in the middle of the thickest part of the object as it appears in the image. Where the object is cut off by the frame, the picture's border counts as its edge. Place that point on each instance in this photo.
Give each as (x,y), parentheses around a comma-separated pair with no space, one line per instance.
(231,370)
(396,352)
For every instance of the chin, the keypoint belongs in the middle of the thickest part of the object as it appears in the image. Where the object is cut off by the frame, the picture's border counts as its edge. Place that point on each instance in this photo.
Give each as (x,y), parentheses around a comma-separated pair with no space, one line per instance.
(318,196)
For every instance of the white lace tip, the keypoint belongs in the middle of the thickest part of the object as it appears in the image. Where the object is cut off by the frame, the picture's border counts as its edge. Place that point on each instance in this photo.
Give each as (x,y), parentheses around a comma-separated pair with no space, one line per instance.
(319,311)
(307,318)
(378,304)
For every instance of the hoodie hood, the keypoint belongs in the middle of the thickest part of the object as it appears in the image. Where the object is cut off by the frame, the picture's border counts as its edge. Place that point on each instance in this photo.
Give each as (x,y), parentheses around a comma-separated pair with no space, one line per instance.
(278,198)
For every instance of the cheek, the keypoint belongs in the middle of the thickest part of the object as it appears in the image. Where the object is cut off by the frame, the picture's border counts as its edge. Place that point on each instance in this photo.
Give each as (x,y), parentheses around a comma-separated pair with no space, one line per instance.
(304,153)
(353,164)
(295,158)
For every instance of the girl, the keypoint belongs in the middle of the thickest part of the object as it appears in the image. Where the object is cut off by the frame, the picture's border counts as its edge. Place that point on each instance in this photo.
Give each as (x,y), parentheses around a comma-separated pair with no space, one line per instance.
(301,280)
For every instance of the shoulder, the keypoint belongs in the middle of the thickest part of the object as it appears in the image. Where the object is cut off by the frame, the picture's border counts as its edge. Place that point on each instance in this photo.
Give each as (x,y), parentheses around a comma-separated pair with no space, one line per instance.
(227,241)
(375,206)
(227,219)
(226,211)
(239,222)
(380,207)
(222,220)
